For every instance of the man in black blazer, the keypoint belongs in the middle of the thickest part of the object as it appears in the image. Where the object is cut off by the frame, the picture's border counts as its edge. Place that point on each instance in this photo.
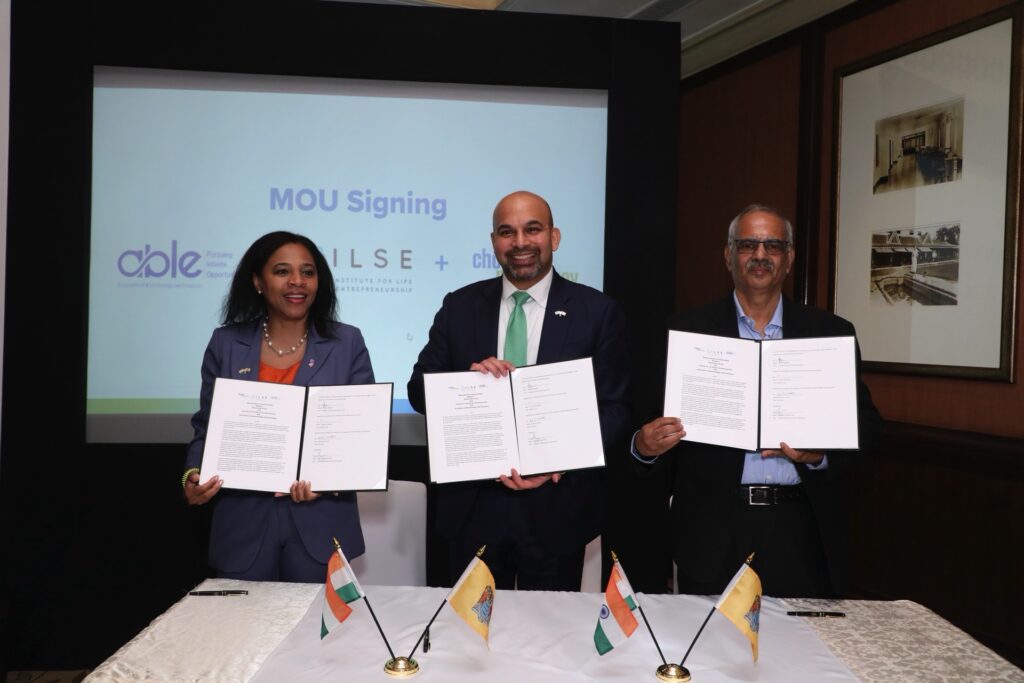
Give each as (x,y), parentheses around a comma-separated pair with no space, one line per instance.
(535,528)
(787,505)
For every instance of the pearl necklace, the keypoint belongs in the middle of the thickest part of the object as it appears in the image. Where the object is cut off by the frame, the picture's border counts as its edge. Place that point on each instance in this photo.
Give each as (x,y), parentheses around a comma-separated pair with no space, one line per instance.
(281,352)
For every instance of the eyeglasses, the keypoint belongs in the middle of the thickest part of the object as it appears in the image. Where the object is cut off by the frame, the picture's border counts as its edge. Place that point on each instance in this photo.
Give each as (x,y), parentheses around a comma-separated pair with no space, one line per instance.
(772,247)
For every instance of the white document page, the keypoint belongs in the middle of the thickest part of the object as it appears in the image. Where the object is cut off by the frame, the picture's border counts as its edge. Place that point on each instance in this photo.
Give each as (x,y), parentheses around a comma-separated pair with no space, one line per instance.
(253,436)
(470,426)
(345,445)
(711,384)
(557,417)
(809,393)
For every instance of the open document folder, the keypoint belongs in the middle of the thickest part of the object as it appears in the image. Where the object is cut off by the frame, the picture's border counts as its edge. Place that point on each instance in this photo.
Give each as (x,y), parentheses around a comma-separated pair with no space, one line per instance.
(752,395)
(264,436)
(537,419)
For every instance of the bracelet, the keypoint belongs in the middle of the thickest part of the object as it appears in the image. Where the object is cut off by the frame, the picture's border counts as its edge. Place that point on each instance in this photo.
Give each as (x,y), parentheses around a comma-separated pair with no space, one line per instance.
(188,473)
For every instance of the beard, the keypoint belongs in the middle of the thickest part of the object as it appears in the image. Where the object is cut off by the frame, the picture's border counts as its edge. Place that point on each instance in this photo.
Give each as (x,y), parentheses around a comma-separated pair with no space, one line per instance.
(523,273)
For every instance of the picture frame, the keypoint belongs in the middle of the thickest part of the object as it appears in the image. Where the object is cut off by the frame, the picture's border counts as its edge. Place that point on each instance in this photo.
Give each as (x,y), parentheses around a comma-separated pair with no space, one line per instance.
(926,184)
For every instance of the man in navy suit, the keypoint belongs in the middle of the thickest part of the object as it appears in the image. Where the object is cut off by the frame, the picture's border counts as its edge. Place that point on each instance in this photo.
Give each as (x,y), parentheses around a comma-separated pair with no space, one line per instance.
(535,528)
(786,504)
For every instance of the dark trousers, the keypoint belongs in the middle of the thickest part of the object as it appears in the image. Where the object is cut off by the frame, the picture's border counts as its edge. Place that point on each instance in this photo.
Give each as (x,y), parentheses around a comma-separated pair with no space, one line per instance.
(282,555)
(789,557)
(514,553)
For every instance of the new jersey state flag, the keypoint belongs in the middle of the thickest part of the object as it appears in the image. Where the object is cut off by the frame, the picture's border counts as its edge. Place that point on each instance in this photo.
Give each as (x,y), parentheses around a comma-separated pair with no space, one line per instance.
(472,597)
(616,621)
(341,589)
(741,603)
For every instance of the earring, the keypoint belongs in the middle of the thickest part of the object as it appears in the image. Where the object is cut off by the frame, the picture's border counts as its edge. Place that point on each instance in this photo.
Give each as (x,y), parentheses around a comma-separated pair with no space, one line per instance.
(259,291)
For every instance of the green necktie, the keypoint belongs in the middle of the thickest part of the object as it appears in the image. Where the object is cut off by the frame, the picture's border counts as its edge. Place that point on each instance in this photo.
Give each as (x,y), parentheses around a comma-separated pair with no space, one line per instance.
(515,333)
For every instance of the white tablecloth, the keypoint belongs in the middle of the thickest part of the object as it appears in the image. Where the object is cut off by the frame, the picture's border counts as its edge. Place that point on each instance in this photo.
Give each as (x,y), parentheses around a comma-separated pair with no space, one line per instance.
(273,635)
(549,638)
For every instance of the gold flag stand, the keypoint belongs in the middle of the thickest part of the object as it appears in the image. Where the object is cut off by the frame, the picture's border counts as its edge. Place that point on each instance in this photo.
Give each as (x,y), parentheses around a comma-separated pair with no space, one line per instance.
(404,667)
(401,667)
(672,672)
(678,672)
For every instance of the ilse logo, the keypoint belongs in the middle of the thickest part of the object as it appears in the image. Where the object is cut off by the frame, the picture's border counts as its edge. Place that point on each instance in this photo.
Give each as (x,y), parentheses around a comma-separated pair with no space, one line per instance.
(149,262)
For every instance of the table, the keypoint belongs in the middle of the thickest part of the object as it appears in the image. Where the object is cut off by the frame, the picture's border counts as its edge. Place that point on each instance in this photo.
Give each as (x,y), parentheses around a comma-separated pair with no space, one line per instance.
(272,634)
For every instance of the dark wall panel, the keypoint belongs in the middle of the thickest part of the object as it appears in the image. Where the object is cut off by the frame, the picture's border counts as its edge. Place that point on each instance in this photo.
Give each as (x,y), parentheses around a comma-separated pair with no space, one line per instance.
(739,144)
(934,521)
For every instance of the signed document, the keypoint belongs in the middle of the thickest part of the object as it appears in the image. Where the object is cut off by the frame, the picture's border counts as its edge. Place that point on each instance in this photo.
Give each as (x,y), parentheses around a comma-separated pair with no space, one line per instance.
(538,419)
(754,395)
(263,436)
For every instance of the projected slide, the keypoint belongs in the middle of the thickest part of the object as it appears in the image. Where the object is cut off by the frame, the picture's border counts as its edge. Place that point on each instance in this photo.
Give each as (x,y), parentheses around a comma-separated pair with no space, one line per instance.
(395,182)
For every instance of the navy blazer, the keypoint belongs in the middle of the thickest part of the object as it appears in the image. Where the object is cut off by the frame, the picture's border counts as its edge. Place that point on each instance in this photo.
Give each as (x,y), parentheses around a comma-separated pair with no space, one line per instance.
(706,477)
(240,517)
(569,514)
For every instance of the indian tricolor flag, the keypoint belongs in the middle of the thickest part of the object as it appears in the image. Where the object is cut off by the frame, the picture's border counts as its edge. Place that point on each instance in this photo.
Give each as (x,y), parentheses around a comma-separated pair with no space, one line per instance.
(616,622)
(341,589)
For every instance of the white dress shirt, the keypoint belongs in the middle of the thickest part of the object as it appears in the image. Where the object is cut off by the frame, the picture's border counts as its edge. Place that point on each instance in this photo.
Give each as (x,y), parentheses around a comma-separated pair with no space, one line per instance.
(533,308)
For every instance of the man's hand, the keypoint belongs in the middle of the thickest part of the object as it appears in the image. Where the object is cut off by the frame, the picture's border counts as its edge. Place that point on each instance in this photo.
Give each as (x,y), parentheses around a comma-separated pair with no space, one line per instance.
(657,436)
(493,366)
(804,457)
(196,493)
(300,492)
(518,483)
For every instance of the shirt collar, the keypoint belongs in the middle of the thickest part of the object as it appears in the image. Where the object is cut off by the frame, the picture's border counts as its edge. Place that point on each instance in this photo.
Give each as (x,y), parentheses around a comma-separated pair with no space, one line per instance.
(539,292)
(773,330)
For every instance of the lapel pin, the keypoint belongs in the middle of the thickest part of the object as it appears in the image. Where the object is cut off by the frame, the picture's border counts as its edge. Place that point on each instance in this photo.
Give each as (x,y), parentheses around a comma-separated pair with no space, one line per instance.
(245,371)
(560,314)
(312,362)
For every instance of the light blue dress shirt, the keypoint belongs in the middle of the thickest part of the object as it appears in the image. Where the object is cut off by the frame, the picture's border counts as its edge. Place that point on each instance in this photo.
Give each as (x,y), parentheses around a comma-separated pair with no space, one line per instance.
(758,470)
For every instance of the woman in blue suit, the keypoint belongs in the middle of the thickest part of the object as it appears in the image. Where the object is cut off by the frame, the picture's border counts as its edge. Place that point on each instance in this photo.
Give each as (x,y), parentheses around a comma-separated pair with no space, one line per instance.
(280,325)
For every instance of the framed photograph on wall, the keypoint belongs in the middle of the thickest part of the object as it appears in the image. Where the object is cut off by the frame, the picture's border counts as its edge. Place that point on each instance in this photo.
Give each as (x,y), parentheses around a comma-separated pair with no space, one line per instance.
(925,202)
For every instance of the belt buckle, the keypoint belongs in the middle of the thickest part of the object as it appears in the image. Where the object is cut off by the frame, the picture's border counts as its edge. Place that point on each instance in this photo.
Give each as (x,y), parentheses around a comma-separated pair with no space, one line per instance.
(760,499)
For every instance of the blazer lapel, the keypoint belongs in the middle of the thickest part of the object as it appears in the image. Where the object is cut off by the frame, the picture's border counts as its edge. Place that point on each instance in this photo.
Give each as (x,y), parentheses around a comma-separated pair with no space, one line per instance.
(486,319)
(794,325)
(558,316)
(318,350)
(723,318)
(245,355)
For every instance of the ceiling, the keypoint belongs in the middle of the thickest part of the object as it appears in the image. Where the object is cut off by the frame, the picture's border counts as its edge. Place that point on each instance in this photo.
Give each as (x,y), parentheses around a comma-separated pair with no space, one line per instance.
(712,30)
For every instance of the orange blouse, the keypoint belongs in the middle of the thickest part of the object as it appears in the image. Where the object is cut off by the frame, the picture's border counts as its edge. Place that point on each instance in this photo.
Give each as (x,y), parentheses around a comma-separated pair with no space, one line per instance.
(278,375)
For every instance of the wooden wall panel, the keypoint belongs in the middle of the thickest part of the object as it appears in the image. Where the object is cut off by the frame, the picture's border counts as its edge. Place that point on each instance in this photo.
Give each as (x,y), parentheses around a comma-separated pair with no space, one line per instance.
(739,144)
(934,520)
(935,510)
(987,407)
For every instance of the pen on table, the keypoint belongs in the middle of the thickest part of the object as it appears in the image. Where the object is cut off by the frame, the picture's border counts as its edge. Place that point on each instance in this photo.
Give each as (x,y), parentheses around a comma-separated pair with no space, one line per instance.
(231,592)
(816,614)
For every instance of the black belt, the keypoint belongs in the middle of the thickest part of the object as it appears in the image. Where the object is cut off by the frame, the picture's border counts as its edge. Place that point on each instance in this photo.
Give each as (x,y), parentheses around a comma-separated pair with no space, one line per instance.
(771,494)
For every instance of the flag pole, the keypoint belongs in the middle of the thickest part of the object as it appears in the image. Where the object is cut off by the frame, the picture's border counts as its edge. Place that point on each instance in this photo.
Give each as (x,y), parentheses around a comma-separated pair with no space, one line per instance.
(431,622)
(615,558)
(648,624)
(386,643)
(750,558)
(699,631)
(337,546)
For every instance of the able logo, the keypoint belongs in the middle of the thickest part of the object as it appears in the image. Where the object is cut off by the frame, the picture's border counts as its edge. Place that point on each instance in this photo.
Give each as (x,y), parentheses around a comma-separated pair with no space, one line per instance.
(154,263)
